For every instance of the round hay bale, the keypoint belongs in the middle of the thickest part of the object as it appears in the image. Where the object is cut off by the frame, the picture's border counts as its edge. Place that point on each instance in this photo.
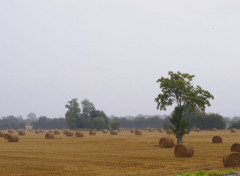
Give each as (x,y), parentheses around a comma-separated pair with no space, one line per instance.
(2,134)
(41,131)
(56,132)
(12,138)
(232,160)
(50,131)
(216,139)
(150,130)
(169,131)
(10,131)
(132,131)
(6,136)
(166,142)
(78,134)
(235,147)
(21,133)
(233,130)
(182,150)
(105,131)
(138,133)
(197,130)
(69,133)
(114,132)
(214,129)
(161,130)
(49,136)
(92,132)
(37,131)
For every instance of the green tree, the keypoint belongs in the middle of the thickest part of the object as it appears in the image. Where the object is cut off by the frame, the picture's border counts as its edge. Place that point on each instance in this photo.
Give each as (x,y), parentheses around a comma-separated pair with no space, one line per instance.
(73,113)
(99,123)
(178,90)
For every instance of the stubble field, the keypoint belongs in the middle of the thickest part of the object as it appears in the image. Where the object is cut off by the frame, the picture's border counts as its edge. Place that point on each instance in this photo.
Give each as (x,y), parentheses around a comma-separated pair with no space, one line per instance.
(105,155)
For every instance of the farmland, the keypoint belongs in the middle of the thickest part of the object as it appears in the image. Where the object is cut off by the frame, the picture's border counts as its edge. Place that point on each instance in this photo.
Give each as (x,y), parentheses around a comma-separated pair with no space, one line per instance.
(121,155)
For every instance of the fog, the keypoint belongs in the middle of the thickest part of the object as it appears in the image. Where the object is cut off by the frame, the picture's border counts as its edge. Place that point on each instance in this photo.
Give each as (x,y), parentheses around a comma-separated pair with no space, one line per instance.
(112,53)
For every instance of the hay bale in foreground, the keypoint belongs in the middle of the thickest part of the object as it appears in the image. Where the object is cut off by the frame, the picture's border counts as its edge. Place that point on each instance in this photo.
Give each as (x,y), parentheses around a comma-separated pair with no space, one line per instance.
(105,131)
(49,136)
(114,132)
(214,129)
(169,131)
(235,147)
(233,130)
(12,138)
(216,139)
(161,130)
(232,160)
(21,133)
(92,132)
(2,134)
(56,132)
(138,133)
(182,150)
(78,134)
(166,142)
(69,133)
(197,130)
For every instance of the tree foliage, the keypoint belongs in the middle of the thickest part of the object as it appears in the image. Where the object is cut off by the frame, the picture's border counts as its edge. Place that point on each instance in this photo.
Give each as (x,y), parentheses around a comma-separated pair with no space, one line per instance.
(178,90)
(86,119)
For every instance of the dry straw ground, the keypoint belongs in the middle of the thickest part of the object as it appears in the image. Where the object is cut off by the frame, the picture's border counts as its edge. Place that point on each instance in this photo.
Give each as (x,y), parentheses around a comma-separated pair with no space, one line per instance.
(103,155)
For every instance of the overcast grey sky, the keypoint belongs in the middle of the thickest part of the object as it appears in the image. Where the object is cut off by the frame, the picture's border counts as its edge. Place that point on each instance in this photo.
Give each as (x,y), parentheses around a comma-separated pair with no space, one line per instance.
(112,53)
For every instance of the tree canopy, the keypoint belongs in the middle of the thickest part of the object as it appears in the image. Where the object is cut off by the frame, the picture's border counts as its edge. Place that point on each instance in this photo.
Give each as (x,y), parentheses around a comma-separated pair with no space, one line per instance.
(178,90)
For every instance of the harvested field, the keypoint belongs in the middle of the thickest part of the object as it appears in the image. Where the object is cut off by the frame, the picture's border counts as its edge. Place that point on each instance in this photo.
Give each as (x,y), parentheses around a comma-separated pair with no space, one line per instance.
(106,155)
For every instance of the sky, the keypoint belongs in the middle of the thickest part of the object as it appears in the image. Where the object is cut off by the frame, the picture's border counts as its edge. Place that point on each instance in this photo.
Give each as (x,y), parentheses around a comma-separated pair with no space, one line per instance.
(113,52)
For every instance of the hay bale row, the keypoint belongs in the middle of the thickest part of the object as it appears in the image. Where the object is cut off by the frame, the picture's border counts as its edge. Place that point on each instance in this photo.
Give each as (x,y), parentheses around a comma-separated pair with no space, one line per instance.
(166,142)
(216,139)
(56,132)
(161,130)
(69,133)
(21,133)
(11,137)
(114,132)
(214,129)
(197,130)
(150,130)
(233,130)
(78,134)
(138,133)
(182,150)
(92,132)
(49,136)
(105,131)
(169,131)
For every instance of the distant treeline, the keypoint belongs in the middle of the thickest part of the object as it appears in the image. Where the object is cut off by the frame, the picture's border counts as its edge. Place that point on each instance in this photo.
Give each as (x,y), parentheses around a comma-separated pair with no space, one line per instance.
(87,116)
(198,120)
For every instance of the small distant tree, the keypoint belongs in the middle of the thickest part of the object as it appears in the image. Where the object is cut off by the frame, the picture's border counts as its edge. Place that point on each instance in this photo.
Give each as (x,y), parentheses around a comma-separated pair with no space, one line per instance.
(73,113)
(178,89)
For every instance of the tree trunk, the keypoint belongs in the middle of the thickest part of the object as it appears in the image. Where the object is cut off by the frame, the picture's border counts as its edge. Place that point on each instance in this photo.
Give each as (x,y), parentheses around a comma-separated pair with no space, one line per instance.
(179,139)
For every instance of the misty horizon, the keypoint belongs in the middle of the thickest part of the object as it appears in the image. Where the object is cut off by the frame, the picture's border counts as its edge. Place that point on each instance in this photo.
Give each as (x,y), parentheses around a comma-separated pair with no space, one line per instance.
(112,53)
